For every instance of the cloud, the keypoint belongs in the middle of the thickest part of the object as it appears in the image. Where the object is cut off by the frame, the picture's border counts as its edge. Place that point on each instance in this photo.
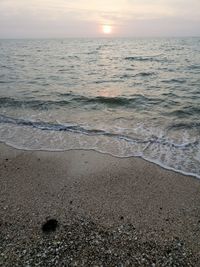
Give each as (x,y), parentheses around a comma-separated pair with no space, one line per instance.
(83,17)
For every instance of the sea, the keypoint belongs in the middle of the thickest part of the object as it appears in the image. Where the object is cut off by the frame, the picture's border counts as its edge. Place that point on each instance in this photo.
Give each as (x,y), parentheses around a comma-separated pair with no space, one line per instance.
(131,97)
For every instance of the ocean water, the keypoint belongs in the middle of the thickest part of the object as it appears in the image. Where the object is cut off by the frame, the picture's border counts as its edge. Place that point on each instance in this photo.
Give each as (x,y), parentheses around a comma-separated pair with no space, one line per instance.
(125,97)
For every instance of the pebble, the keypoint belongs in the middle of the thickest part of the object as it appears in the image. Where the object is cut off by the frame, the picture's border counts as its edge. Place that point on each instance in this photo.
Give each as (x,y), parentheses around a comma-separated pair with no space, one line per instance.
(84,243)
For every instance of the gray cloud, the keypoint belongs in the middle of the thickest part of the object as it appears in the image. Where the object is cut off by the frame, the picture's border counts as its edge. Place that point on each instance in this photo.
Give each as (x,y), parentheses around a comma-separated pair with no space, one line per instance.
(66,18)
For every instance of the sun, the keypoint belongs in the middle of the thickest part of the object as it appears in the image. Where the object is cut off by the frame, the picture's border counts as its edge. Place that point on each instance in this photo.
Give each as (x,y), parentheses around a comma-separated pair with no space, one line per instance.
(107,29)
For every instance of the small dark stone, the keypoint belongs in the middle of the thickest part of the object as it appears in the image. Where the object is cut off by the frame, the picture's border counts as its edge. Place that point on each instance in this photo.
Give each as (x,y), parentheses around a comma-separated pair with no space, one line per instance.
(71,202)
(6,159)
(121,218)
(50,226)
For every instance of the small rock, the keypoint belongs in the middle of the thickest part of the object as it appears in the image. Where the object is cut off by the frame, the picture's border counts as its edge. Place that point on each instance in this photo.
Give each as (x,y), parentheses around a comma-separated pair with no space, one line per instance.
(50,226)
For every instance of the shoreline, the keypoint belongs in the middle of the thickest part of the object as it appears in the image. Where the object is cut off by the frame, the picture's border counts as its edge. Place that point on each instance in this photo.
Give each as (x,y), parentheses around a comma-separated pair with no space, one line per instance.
(164,167)
(139,203)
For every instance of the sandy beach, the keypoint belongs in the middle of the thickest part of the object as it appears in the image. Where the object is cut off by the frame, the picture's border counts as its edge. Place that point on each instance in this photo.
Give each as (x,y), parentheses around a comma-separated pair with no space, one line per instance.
(109,211)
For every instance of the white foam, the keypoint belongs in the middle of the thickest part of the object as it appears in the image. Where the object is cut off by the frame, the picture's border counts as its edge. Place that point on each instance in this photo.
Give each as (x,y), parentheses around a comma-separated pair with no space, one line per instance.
(167,157)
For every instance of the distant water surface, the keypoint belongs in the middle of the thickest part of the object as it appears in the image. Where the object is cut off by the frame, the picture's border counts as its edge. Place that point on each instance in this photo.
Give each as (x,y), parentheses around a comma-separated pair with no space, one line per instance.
(125,97)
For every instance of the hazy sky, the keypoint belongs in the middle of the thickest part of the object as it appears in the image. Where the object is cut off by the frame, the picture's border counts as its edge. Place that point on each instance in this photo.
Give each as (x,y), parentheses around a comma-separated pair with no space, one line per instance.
(84,18)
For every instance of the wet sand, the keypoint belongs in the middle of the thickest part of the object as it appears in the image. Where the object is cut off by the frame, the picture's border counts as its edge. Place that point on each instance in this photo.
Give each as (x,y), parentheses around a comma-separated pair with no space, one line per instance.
(110,211)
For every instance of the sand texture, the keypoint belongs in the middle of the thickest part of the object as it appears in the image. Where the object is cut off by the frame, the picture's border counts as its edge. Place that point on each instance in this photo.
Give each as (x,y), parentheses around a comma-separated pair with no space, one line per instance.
(108,211)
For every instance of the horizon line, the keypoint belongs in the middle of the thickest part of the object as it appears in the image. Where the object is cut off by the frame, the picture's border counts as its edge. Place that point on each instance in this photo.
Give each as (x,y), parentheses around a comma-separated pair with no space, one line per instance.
(100,37)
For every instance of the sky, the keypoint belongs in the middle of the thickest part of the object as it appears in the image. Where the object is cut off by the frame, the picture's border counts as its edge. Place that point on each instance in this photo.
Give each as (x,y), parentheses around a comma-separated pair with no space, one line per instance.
(85,18)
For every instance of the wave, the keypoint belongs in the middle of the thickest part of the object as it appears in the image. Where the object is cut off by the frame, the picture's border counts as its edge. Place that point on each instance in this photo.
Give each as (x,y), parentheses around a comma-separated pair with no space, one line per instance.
(143,58)
(33,104)
(194,67)
(108,81)
(181,156)
(78,129)
(184,126)
(185,111)
(91,53)
(134,101)
(174,80)
(4,81)
(143,74)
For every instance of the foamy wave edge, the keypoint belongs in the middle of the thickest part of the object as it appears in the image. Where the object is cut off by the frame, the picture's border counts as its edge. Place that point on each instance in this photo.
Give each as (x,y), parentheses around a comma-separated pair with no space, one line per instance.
(105,153)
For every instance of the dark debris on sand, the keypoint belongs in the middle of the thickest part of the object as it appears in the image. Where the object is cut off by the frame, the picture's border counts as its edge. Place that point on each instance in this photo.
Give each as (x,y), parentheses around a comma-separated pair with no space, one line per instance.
(50,226)
(85,243)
